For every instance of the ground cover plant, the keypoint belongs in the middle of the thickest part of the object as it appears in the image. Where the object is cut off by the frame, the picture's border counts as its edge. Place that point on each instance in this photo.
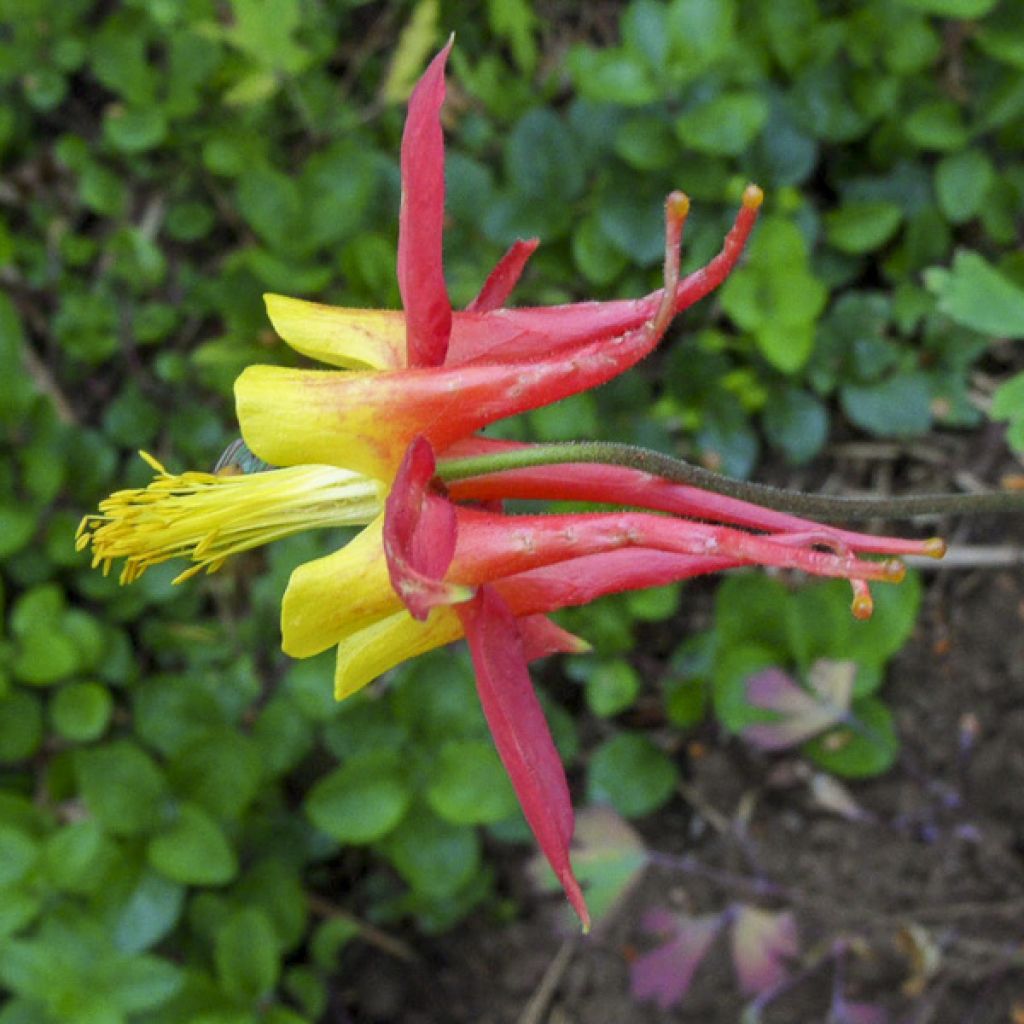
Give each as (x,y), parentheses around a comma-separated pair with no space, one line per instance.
(192,828)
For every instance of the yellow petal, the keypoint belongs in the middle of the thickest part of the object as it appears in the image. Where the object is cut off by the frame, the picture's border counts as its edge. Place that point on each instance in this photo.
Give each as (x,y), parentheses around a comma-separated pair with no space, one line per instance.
(354,420)
(356,339)
(332,597)
(372,651)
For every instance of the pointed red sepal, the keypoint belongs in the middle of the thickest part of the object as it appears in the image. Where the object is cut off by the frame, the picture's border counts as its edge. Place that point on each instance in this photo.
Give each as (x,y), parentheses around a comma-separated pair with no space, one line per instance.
(504,277)
(428,310)
(420,532)
(541,637)
(521,733)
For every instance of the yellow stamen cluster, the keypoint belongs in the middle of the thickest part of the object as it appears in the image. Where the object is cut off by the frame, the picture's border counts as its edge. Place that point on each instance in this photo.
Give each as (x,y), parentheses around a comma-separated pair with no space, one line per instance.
(209,517)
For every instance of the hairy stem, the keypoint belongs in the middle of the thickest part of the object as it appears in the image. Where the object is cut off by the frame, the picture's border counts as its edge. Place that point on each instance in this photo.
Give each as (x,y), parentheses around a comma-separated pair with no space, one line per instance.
(816,506)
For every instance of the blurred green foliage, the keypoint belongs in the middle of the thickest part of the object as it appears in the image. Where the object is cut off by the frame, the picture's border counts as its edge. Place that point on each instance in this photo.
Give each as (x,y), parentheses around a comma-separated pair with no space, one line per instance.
(172,788)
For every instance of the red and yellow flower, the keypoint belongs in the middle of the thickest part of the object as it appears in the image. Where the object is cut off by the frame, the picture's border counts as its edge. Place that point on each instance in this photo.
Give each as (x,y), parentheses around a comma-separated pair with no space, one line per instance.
(357,444)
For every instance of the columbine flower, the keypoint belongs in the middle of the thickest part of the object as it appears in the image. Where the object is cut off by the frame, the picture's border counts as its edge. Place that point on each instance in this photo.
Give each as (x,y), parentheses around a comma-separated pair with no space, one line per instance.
(358,445)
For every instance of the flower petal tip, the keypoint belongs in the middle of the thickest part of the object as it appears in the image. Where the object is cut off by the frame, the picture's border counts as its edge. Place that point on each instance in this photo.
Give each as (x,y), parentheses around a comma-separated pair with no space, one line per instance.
(935,547)
(577,901)
(753,197)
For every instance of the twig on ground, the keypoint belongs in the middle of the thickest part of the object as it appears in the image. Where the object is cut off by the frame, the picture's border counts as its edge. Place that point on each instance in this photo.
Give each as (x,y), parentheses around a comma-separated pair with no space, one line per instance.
(533,1012)
(367,932)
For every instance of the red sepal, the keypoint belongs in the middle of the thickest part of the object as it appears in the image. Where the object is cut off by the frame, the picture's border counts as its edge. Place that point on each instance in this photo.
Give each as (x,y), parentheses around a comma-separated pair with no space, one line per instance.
(428,311)
(521,733)
(504,277)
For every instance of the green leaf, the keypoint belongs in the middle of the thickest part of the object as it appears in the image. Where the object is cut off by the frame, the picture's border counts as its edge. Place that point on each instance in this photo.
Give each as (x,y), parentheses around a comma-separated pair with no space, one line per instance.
(218,770)
(21,726)
(515,22)
(598,259)
(686,701)
(412,52)
(726,125)
(937,125)
(700,33)
(361,801)
(897,407)
(252,89)
(434,857)
(172,711)
(775,296)
(646,143)
(149,912)
(468,784)
(867,746)
(264,30)
(75,856)
(338,186)
(270,202)
(751,608)
(961,182)
(612,687)
(143,983)
(896,608)
(819,622)
(540,158)
(245,953)
(18,852)
(733,667)
(976,295)
(81,711)
(16,389)
(612,76)
(134,130)
(1008,400)
(17,525)
(122,786)
(797,423)
(966,9)
(193,850)
(632,774)
(862,227)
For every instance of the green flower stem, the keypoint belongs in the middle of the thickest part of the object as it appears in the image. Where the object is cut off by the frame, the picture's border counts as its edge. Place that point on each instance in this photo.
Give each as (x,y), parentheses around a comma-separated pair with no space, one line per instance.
(813,506)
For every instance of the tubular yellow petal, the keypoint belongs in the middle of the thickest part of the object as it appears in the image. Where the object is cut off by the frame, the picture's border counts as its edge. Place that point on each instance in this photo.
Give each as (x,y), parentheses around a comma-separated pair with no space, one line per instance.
(372,651)
(332,597)
(356,339)
(329,417)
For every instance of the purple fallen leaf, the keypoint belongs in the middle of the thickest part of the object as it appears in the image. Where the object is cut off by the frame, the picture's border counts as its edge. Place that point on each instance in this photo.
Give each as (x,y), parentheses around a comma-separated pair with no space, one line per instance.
(665,974)
(802,714)
(763,942)
(832,681)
